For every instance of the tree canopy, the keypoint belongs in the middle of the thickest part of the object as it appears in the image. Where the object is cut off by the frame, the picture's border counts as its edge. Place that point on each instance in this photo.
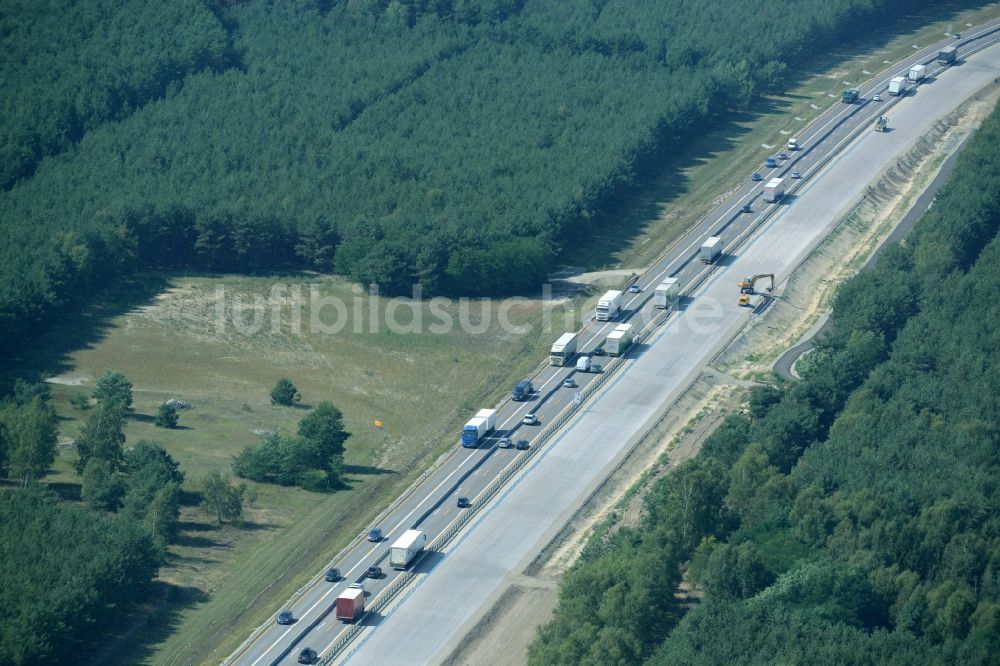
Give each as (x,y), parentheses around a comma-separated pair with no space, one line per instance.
(455,144)
(851,517)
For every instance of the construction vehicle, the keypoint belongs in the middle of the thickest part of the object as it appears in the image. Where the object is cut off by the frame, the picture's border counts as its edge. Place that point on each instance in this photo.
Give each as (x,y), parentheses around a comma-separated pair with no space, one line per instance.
(880,123)
(746,286)
(850,96)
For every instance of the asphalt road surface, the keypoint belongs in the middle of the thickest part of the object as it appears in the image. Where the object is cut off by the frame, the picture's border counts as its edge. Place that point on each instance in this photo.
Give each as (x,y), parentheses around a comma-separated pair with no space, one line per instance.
(783,366)
(431,612)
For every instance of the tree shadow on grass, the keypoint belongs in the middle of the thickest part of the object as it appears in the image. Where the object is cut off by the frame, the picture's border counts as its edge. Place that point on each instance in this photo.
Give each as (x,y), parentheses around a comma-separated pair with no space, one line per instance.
(70,492)
(367,469)
(134,638)
(47,352)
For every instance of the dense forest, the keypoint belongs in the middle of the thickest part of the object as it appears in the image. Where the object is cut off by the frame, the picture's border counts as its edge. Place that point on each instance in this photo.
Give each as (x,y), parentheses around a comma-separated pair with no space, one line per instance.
(455,143)
(852,517)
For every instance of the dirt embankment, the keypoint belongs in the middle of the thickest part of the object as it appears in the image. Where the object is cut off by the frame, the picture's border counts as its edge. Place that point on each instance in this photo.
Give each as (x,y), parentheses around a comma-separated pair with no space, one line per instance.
(502,634)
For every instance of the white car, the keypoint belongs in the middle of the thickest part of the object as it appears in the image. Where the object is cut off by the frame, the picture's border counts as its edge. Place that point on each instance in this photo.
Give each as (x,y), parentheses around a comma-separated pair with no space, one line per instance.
(877,98)
(530,419)
(504,443)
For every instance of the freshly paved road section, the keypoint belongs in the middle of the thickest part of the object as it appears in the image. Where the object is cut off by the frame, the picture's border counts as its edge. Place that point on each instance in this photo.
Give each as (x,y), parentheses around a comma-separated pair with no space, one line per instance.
(423,627)
(430,613)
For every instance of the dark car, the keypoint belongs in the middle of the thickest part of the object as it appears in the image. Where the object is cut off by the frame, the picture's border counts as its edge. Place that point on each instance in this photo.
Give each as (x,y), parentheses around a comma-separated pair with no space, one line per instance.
(308,656)
(756,177)
(463,503)
(375,535)
(746,208)
(286,617)
(771,162)
(332,575)
(374,572)
(522,445)
(782,156)
(598,352)
(522,390)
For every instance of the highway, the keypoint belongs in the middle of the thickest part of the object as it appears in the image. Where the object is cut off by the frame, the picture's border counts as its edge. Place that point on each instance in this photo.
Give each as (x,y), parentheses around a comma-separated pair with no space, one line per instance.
(420,626)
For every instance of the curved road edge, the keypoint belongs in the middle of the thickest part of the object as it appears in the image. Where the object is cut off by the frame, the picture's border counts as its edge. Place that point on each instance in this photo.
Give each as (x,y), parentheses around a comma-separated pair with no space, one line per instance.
(784,364)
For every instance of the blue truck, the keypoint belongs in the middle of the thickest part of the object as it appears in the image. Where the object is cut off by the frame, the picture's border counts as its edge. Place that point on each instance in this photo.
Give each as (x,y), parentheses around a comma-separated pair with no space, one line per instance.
(479,427)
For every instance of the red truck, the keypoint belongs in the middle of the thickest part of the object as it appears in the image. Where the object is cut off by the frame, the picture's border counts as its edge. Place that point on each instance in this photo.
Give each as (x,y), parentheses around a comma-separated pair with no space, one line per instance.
(350,604)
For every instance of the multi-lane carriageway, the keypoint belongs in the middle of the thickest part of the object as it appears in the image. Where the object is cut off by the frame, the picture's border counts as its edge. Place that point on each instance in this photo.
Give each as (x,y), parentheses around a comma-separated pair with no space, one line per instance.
(430,504)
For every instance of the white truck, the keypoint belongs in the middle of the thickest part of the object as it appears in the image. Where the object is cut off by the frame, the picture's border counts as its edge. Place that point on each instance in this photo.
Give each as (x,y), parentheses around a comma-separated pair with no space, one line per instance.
(583,364)
(478,427)
(710,250)
(774,190)
(793,144)
(898,85)
(666,293)
(563,350)
(609,306)
(406,548)
(917,73)
(618,340)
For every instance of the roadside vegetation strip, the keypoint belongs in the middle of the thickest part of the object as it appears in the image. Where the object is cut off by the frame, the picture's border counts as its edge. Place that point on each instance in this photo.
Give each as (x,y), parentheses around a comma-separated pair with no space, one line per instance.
(662,317)
(775,547)
(441,541)
(544,61)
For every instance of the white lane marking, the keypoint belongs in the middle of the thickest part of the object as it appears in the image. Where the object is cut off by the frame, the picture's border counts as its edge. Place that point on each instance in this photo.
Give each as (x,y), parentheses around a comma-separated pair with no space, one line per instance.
(359,564)
(834,118)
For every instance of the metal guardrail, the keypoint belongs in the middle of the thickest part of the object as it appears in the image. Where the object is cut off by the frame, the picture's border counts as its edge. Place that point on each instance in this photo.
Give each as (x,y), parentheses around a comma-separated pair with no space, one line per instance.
(439,542)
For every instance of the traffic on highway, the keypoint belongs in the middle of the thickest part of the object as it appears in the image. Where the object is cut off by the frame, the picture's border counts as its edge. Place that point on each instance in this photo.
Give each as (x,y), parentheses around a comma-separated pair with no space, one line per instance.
(308,629)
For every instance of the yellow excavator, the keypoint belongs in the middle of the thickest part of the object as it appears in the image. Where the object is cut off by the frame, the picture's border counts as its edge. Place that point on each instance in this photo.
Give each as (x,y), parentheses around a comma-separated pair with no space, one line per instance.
(746,286)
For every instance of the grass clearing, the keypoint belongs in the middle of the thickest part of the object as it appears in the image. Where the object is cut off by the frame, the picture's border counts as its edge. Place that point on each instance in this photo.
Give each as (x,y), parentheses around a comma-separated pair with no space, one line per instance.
(421,385)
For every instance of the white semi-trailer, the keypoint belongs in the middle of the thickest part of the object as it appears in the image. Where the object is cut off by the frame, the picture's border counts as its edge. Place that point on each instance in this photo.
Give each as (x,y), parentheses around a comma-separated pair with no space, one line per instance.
(710,250)
(774,190)
(563,350)
(618,340)
(609,306)
(917,73)
(666,293)
(478,427)
(406,548)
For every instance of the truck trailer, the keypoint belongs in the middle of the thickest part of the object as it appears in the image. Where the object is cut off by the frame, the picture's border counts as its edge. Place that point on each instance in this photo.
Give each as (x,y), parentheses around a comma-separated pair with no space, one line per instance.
(710,250)
(666,292)
(563,350)
(774,190)
(609,306)
(917,73)
(898,85)
(351,604)
(406,547)
(618,340)
(948,55)
(478,427)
